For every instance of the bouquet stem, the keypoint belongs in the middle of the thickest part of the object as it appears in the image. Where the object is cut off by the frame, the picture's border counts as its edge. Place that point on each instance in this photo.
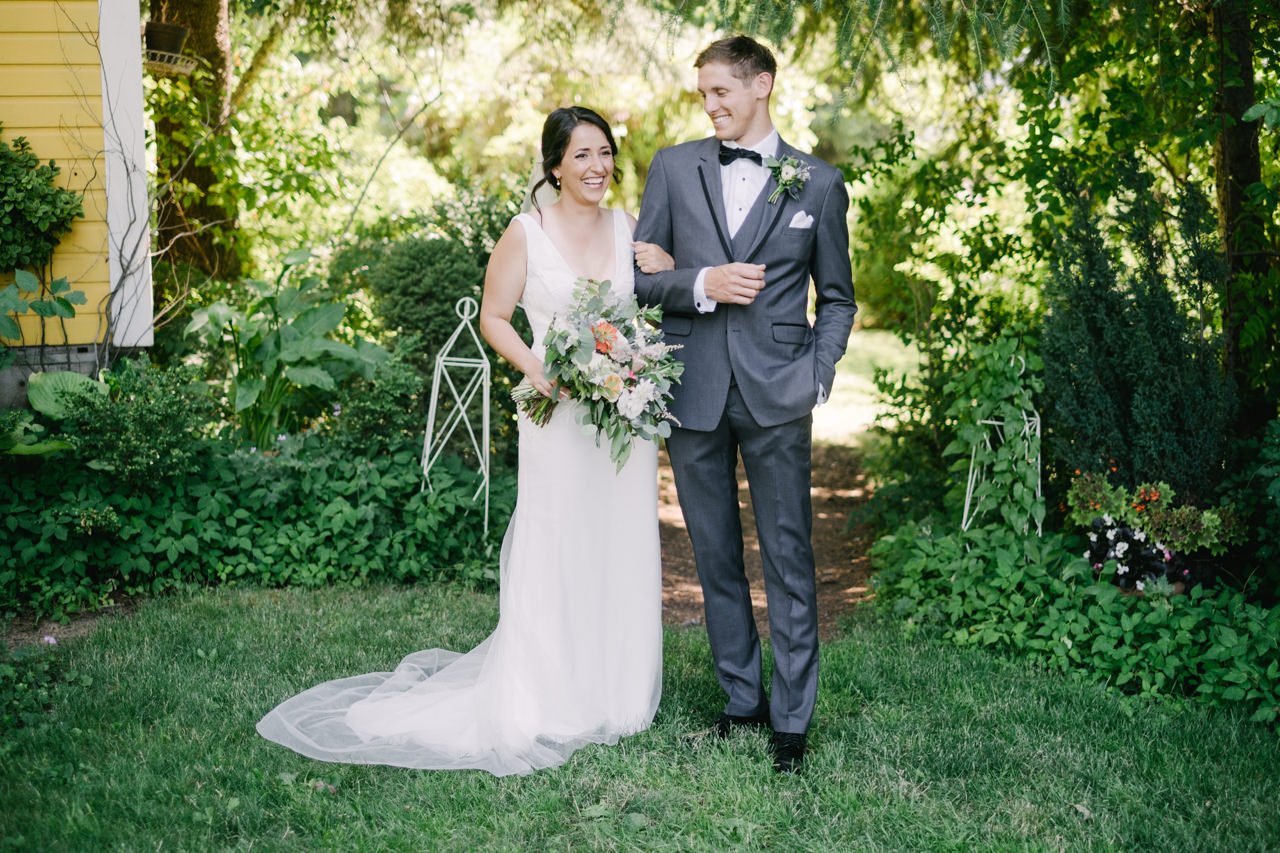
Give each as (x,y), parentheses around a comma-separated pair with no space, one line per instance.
(533,403)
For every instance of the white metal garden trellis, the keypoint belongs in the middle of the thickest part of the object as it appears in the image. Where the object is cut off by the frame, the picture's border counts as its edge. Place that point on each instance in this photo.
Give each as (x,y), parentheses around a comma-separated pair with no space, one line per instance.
(465,379)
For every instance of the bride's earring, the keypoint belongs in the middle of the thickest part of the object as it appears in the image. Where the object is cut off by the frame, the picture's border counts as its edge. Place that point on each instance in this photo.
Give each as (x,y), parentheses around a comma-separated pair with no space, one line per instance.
(554,180)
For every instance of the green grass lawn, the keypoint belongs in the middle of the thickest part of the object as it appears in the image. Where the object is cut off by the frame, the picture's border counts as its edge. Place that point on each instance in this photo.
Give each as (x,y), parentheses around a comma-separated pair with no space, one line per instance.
(916,746)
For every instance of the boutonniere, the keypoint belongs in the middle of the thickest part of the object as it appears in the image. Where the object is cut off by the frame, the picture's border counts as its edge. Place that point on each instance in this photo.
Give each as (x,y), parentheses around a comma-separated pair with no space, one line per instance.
(790,174)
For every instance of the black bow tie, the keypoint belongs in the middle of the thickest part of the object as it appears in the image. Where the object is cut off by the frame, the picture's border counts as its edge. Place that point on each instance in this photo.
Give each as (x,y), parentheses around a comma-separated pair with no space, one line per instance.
(728,155)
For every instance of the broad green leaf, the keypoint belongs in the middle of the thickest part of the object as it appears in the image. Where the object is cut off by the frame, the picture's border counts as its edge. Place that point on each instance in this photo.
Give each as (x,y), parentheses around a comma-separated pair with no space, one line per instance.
(46,390)
(310,377)
(303,349)
(245,392)
(26,282)
(40,448)
(320,320)
(297,256)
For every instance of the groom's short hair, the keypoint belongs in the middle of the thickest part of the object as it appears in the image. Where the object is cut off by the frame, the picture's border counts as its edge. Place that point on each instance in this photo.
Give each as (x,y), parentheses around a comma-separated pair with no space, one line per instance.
(746,56)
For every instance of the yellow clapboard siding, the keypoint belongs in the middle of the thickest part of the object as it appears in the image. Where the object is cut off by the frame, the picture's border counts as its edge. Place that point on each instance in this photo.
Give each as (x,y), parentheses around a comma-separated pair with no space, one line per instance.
(35,16)
(44,81)
(85,236)
(82,269)
(27,113)
(45,48)
(95,203)
(64,145)
(83,328)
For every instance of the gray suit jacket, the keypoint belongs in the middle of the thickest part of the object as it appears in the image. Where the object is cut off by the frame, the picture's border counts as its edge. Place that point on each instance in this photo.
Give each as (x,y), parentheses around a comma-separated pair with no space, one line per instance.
(768,347)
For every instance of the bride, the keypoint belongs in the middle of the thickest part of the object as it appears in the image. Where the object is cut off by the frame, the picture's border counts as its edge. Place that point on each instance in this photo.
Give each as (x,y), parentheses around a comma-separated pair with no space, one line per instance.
(576,657)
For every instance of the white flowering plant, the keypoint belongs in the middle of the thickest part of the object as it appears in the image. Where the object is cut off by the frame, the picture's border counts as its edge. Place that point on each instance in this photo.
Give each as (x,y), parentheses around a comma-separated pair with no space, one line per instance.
(790,175)
(607,353)
(1149,538)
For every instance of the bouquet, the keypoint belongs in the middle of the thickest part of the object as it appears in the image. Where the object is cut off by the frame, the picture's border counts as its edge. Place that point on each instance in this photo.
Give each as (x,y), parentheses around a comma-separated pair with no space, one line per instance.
(608,354)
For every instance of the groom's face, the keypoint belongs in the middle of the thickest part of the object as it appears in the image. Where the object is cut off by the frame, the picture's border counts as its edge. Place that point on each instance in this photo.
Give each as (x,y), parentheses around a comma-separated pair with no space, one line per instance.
(738,109)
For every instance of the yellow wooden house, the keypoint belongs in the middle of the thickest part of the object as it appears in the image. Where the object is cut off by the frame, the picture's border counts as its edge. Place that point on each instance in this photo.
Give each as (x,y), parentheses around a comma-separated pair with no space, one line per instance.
(71,83)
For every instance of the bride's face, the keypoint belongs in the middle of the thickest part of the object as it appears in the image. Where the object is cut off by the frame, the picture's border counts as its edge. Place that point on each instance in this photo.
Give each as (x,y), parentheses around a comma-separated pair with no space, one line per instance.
(587,166)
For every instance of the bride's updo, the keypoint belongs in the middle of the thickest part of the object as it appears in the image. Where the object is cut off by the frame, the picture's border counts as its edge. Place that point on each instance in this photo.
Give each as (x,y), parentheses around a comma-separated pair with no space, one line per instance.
(556,131)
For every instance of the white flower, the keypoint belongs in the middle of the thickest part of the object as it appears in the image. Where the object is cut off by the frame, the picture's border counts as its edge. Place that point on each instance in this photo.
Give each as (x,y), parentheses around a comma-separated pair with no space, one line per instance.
(1122,569)
(647,390)
(1140,585)
(1093,537)
(1121,547)
(1111,534)
(1139,535)
(631,404)
(1106,519)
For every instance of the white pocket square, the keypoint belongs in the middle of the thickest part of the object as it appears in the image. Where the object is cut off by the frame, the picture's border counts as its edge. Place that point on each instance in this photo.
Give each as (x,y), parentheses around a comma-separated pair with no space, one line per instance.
(801,220)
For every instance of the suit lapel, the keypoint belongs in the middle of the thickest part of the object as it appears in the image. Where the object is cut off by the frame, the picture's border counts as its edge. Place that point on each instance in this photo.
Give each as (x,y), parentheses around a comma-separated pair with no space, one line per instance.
(773,212)
(713,192)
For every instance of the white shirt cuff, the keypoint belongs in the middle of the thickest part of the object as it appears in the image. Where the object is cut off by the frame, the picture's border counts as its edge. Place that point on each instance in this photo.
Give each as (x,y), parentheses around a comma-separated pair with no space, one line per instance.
(822,395)
(700,300)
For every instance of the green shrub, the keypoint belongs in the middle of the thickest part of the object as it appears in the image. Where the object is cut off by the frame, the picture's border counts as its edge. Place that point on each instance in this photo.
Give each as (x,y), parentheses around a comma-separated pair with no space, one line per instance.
(308,511)
(281,360)
(417,285)
(386,408)
(150,426)
(34,212)
(998,584)
(992,587)
(1133,384)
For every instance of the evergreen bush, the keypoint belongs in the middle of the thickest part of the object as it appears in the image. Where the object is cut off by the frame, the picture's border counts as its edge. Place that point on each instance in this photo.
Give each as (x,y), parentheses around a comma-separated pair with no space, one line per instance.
(1133,383)
(417,286)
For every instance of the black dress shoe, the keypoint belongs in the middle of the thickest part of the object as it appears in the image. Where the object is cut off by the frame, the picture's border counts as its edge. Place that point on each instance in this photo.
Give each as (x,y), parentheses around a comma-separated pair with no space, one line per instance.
(788,751)
(726,723)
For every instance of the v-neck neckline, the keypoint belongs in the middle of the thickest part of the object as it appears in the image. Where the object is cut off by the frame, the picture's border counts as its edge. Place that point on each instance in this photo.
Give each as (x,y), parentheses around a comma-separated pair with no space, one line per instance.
(613,235)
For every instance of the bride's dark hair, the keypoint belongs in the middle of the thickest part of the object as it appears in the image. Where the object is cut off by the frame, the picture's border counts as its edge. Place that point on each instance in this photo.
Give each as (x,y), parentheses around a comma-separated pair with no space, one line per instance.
(556,131)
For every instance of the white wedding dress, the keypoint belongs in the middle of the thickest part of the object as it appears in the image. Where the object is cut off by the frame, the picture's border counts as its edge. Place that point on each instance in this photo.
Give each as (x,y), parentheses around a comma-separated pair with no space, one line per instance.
(577,654)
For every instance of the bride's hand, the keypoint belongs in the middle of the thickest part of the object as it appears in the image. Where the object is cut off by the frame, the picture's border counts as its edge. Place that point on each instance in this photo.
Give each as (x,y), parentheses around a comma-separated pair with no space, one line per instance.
(544,386)
(651,258)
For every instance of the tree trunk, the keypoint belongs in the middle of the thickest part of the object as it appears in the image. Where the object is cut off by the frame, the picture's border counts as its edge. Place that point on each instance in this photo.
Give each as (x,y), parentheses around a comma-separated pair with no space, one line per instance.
(1237,166)
(197,229)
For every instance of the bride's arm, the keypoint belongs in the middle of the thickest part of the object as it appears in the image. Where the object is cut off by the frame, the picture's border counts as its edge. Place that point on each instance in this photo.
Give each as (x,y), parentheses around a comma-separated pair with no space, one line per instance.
(503,286)
(650,257)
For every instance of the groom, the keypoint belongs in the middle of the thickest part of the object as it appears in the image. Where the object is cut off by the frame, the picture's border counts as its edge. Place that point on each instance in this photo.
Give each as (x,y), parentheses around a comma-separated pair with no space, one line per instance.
(750,220)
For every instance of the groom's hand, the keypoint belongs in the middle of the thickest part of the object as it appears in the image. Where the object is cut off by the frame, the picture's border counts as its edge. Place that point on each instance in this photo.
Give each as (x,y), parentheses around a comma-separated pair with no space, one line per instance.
(734,283)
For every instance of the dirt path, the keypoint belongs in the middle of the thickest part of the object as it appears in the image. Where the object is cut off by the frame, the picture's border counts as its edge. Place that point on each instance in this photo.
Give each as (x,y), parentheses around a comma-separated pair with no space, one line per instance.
(840,554)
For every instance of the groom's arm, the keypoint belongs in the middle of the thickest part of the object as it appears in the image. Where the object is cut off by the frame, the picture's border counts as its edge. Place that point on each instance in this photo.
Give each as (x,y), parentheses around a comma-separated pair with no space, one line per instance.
(671,289)
(833,281)
(691,290)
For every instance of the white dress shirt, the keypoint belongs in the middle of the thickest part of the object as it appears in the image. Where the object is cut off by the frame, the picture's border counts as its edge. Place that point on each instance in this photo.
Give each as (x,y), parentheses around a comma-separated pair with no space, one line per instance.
(741,183)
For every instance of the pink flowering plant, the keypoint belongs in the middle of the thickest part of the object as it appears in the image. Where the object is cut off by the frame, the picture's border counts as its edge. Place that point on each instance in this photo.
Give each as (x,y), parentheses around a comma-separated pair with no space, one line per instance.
(607,353)
(1143,533)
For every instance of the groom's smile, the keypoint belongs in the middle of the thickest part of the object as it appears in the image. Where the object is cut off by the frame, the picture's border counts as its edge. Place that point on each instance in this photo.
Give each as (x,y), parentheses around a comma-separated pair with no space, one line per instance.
(738,108)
